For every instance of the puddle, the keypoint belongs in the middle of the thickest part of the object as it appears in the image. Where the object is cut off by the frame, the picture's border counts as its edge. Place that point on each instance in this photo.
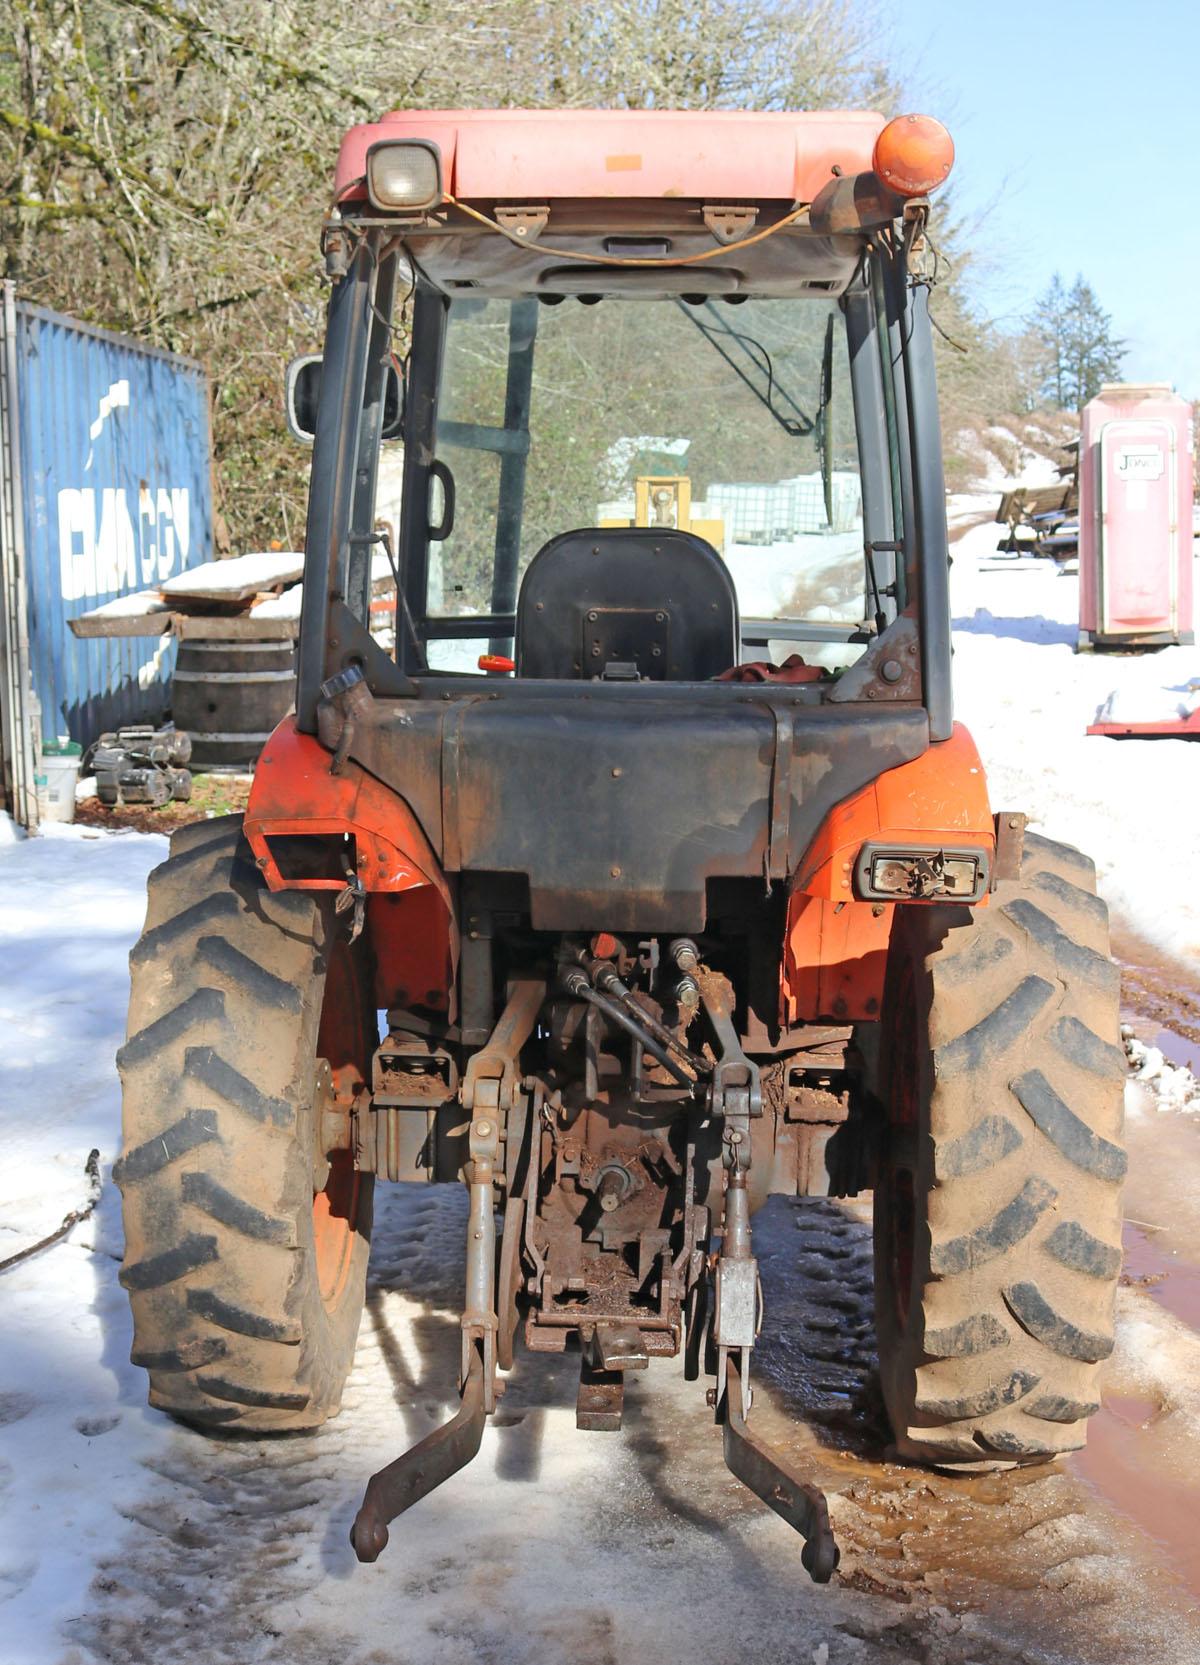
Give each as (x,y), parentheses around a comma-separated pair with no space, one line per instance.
(1177,1049)
(1133,1409)
(1131,1459)
(1118,1464)
(1166,1278)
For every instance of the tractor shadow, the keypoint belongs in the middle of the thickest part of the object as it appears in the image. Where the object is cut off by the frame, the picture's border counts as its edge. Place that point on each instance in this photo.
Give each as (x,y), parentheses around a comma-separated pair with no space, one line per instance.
(816,1359)
(817,1354)
(418,1253)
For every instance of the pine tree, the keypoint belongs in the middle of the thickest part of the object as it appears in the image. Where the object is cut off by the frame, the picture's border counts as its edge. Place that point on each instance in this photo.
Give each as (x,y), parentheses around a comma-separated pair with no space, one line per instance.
(1077,350)
(1095,353)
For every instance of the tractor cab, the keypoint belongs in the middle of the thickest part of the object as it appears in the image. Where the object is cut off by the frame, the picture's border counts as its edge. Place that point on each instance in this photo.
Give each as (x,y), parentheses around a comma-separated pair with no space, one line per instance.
(718,290)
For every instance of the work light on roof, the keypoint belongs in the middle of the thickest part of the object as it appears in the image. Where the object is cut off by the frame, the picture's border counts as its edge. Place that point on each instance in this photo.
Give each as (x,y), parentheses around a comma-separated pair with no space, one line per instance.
(404,176)
(913,155)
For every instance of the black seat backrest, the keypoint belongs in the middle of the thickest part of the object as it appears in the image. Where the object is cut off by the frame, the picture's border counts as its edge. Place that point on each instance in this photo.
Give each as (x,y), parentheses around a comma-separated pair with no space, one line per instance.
(654,598)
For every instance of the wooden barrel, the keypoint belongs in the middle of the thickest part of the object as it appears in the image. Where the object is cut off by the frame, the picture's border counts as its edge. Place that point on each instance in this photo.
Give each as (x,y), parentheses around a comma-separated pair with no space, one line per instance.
(229,696)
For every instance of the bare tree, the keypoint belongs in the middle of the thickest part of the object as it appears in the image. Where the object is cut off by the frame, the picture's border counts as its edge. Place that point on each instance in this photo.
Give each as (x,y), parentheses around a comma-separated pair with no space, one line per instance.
(164,163)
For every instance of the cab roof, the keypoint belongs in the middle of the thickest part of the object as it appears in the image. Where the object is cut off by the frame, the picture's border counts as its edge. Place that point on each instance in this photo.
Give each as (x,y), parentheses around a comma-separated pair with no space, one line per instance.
(524,156)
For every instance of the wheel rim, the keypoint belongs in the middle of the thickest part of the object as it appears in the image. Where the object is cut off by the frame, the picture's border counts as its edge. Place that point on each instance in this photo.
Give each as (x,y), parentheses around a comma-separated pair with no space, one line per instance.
(342,1044)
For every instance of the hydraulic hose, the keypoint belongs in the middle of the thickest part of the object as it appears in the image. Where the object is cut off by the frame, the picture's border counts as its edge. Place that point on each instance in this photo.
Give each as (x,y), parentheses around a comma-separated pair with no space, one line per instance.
(609,983)
(576,984)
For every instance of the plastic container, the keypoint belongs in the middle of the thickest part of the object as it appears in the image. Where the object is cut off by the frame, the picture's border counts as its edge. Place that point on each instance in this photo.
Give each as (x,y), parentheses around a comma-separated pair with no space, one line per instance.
(57,779)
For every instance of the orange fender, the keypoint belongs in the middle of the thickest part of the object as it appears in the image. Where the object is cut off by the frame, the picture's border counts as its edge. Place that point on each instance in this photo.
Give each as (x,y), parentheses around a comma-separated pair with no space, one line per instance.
(410,911)
(835,945)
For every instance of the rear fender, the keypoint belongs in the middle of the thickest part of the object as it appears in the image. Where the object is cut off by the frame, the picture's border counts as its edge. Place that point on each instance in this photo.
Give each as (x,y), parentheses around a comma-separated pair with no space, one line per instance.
(836,944)
(311,830)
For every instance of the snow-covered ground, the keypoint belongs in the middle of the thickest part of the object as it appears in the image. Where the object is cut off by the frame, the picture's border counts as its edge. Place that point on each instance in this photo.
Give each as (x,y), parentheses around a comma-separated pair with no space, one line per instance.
(73,1436)
(1028,697)
(124,1538)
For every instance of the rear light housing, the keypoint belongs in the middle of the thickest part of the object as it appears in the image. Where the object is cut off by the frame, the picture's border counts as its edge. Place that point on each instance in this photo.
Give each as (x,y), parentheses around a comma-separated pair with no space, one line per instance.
(893,873)
(404,177)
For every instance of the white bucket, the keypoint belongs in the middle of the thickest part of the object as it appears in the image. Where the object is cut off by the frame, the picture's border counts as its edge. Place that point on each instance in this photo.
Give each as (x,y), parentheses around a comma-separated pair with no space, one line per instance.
(56,782)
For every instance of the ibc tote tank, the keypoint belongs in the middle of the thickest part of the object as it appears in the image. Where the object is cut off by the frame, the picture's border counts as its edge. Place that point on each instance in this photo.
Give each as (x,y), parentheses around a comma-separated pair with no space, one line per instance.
(1135,518)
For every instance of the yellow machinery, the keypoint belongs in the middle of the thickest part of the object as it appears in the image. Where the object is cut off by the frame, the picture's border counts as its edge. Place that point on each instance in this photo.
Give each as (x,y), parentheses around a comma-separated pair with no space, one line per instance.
(666,500)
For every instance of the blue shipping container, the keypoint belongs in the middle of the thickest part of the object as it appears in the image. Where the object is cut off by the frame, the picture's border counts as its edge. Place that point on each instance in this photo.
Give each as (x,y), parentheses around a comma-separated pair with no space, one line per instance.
(115,495)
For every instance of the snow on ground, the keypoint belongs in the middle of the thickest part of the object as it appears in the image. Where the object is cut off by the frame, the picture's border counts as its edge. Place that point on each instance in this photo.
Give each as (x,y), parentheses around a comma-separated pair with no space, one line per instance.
(822,569)
(1027,697)
(125,1538)
(73,1436)
(1173,1086)
(1013,453)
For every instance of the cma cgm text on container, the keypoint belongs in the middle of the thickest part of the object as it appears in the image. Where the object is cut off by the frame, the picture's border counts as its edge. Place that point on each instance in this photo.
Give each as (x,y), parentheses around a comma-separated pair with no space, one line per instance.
(107,490)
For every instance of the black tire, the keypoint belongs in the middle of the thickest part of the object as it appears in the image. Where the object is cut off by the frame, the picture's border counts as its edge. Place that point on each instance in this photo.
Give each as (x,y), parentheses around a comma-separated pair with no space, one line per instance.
(245,1258)
(997,1208)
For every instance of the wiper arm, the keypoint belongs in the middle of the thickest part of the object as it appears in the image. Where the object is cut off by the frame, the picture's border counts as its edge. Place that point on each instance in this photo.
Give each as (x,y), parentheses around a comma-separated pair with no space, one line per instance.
(751,363)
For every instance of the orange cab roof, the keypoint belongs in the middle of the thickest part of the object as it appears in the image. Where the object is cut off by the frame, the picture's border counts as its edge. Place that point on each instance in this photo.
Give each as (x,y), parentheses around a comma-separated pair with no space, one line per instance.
(530,156)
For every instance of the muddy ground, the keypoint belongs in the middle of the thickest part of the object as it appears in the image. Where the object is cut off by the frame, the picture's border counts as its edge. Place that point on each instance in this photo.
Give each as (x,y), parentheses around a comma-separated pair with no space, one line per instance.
(610,1549)
(216,794)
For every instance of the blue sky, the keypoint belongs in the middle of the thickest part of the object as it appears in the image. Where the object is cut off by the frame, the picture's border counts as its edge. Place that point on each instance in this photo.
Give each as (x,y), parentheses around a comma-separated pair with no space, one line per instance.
(1077,129)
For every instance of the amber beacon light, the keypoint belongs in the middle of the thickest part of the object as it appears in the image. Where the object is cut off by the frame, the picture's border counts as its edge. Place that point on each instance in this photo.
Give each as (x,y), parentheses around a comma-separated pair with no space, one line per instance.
(913,155)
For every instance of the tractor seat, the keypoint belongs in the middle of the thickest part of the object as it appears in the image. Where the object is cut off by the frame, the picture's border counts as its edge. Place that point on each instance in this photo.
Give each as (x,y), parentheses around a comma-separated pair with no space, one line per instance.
(629,603)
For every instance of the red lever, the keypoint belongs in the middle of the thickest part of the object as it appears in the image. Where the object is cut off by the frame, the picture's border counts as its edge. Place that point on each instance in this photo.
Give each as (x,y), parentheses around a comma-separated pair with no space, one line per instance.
(496,664)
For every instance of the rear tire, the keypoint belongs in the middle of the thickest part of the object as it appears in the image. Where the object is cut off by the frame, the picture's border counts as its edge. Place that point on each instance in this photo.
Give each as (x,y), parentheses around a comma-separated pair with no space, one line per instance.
(245,1255)
(997,1211)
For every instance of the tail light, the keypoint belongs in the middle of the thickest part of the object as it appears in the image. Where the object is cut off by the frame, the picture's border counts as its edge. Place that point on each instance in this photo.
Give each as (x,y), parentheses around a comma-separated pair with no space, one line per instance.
(883,873)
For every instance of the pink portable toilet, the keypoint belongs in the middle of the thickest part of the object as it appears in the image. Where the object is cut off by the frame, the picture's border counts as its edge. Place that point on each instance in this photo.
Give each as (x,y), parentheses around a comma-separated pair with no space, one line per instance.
(1135,518)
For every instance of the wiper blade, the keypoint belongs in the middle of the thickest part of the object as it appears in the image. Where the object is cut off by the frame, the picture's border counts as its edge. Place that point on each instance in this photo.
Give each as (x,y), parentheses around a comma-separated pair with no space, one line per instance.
(751,363)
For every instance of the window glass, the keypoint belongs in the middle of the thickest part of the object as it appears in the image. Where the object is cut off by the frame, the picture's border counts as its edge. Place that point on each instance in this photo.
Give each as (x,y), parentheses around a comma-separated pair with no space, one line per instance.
(732,421)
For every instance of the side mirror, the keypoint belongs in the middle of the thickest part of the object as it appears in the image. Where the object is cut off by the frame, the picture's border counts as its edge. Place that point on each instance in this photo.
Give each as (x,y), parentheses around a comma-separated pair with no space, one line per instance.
(441,501)
(302,396)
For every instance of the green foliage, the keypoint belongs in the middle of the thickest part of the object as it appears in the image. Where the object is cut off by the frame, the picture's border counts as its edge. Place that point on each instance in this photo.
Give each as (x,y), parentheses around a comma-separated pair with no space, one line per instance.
(164,163)
(164,167)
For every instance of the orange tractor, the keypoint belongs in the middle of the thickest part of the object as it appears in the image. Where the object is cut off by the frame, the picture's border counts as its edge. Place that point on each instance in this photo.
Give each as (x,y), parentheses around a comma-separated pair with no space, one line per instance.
(625,881)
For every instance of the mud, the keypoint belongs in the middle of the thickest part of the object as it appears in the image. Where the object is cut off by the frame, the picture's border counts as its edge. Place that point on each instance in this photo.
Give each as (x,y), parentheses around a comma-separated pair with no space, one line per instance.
(1157,995)
(216,794)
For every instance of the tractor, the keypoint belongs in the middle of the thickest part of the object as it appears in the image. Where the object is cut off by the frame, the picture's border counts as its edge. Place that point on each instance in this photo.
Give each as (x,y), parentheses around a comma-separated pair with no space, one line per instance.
(625,881)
